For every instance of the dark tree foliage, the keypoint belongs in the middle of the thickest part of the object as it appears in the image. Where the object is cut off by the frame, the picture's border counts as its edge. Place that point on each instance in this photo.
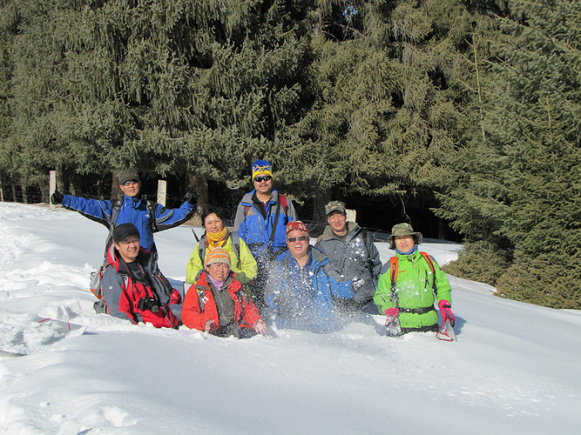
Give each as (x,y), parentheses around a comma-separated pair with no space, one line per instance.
(520,189)
(442,112)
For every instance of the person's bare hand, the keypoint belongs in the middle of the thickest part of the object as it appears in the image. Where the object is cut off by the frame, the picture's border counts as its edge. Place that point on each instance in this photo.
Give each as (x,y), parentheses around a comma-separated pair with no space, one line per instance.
(261,327)
(208,325)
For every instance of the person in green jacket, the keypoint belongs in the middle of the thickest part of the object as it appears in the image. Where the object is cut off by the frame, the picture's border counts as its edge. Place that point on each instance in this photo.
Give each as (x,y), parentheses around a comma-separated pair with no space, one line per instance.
(419,282)
(218,235)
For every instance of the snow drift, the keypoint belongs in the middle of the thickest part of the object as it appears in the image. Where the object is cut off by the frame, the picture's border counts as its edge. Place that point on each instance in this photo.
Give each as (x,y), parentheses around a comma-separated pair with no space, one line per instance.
(516,368)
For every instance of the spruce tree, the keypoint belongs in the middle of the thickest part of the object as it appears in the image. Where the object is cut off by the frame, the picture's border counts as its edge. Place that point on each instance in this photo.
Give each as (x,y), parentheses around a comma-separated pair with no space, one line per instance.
(522,181)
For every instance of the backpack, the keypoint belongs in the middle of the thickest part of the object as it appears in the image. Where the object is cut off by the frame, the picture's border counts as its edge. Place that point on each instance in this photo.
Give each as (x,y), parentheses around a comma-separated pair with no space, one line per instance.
(235,245)
(393,268)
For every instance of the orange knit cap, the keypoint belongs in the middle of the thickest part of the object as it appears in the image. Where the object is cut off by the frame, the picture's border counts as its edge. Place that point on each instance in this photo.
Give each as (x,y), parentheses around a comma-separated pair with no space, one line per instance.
(218,255)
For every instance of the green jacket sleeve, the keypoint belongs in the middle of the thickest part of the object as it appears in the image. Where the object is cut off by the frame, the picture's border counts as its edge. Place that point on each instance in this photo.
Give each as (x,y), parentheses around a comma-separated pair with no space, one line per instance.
(444,291)
(382,297)
(194,265)
(248,267)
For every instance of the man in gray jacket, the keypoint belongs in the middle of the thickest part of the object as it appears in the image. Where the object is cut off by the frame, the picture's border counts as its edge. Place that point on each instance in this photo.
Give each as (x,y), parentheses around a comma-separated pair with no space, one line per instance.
(352,257)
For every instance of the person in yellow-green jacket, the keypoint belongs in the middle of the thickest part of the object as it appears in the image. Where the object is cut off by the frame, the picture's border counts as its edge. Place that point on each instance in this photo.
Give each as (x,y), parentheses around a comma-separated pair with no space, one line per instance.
(418,282)
(218,235)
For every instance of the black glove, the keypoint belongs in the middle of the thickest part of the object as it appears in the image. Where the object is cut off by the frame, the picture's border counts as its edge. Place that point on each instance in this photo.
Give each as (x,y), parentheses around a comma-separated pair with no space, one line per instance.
(192,195)
(56,197)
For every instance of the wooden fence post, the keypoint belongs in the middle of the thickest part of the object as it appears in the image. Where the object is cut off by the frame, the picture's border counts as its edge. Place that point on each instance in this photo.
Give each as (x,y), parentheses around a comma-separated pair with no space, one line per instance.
(351,215)
(51,188)
(161,191)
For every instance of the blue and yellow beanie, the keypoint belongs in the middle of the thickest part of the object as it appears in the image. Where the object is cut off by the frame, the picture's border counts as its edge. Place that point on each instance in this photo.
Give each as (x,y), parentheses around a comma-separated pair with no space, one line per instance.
(260,167)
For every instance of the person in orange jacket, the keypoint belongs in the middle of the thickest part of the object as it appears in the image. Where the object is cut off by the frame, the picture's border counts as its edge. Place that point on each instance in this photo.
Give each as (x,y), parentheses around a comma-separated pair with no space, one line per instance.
(217,303)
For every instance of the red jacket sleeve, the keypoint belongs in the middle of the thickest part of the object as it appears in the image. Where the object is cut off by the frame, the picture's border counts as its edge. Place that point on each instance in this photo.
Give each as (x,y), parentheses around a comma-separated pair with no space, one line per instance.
(251,314)
(192,316)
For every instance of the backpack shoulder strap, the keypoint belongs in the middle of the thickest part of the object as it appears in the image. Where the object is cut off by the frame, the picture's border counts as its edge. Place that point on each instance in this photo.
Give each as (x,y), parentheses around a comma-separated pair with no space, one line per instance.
(283,203)
(275,223)
(236,246)
(115,209)
(393,270)
(115,213)
(201,299)
(393,266)
(364,236)
(151,206)
(430,262)
(202,249)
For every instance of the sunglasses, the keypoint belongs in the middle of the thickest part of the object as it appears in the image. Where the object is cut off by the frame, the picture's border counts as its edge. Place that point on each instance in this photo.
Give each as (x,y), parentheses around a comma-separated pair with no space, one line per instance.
(130,182)
(261,178)
(294,239)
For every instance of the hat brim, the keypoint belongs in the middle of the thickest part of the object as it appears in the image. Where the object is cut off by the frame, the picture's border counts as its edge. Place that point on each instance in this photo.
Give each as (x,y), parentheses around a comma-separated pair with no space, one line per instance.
(418,238)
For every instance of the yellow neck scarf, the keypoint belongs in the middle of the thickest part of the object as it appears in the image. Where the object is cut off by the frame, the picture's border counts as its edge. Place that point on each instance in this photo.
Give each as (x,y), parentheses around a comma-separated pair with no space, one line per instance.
(214,240)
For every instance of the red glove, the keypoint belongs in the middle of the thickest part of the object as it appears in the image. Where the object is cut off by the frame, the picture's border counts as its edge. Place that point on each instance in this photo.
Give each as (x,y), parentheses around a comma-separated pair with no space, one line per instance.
(392,312)
(446,312)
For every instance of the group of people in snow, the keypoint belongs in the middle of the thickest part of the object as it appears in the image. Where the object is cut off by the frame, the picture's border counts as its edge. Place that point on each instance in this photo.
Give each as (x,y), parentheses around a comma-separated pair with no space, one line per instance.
(264,268)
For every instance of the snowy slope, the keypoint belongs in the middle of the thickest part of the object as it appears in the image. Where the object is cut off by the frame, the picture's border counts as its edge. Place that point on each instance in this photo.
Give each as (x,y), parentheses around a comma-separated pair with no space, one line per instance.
(516,368)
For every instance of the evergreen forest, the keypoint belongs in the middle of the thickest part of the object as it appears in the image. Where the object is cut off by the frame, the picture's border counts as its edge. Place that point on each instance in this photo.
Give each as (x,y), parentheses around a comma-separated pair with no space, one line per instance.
(462,117)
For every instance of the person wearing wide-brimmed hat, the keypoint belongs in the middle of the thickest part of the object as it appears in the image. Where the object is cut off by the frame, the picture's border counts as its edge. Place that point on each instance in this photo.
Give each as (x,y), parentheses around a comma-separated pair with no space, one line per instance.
(353,257)
(411,300)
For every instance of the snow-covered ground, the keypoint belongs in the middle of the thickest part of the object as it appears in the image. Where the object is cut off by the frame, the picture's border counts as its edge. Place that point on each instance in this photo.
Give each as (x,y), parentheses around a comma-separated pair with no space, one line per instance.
(515,369)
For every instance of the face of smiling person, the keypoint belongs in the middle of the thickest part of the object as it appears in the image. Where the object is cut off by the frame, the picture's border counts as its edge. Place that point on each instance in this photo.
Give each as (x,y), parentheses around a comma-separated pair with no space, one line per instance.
(218,271)
(128,248)
(213,223)
(338,222)
(298,248)
(404,243)
(132,188)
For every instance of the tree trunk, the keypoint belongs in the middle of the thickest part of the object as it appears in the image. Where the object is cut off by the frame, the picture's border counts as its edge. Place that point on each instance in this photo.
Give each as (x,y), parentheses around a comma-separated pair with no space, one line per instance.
(13,185)
(115,189)
(201,184)
(322,197)
(43,184)
(24,193)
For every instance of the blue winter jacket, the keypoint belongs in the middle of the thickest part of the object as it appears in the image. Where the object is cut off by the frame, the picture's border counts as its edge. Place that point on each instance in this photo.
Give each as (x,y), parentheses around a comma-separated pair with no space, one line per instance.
(133,210)
(301,298)
(255,230)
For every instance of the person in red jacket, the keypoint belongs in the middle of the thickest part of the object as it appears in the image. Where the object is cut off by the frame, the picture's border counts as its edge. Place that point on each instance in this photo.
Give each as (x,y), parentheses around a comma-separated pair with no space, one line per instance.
(217,303)
(133,286)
